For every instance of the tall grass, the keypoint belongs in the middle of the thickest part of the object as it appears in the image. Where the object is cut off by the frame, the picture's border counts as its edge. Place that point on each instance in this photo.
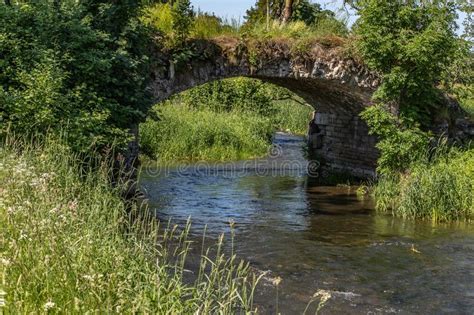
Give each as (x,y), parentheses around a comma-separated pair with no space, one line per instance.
(291,117)
(67,245)
(296,30)
(208,26)
(187,134)
(440,188)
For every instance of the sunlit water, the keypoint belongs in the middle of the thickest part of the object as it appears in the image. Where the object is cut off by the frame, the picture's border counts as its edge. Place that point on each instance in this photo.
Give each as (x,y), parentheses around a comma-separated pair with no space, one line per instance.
(320,238)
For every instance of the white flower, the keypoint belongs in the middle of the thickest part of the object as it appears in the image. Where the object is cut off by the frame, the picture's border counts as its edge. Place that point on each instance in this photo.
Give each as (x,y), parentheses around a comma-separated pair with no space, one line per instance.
(49,305)
(276,281)
(73,205)
(23,236)
(324,294)
(2,299)
(5,262)
(55,209)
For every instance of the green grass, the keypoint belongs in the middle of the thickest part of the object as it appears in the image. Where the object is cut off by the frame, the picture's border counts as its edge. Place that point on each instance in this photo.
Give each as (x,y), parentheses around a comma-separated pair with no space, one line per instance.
(296,30)
(67,246)
(291,117)
(186,134)
(440,190)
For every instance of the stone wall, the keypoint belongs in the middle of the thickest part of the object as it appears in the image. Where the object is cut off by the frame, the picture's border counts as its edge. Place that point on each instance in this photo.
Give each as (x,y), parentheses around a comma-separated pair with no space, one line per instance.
(343,144)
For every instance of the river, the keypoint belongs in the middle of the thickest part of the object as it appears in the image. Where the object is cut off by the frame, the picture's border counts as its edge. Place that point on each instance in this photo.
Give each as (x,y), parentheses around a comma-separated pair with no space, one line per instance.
(319,237)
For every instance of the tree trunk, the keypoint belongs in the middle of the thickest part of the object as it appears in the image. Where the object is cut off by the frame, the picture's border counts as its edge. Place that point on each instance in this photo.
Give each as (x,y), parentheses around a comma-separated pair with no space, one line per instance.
(287,11)
(8,2)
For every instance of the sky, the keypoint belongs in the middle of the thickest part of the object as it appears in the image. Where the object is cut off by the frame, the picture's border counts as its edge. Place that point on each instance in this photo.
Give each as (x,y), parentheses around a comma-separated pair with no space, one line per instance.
(230,9)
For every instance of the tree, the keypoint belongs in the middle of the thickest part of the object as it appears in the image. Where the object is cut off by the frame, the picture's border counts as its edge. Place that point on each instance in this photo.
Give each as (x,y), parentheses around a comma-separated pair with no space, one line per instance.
(410,43)
(287,11)
(182,16)
(80,67)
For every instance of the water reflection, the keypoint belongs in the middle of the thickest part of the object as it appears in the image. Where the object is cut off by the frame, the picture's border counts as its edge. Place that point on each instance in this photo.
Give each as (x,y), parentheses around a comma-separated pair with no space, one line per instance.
(322,238)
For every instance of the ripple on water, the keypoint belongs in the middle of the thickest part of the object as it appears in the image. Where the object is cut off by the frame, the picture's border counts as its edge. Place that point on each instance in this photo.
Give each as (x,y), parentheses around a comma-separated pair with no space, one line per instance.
(322,238)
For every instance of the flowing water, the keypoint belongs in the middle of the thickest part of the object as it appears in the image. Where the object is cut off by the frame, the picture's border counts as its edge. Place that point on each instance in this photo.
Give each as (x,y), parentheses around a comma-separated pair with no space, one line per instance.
(319,238)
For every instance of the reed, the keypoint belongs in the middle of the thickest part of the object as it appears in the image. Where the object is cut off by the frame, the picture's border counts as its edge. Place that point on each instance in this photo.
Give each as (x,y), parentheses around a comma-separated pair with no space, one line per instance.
(68,245)
(439,188)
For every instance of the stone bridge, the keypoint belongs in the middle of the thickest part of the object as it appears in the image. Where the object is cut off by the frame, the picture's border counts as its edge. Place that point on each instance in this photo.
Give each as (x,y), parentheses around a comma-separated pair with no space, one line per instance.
(337,87)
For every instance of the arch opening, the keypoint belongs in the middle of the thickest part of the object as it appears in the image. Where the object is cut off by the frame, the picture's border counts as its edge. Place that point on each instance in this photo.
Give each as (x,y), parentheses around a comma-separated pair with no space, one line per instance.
(336,88)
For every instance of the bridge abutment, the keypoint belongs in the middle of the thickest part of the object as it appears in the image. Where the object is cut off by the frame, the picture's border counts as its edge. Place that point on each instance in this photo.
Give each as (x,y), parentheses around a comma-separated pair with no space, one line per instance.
(342,144)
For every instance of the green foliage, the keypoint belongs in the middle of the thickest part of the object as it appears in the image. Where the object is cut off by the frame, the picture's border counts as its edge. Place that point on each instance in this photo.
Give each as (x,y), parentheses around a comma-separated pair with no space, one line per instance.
(187,134)
(70,246)
(160,17)
(410,45)
(303,10)
(241,94)
(223,120)
(183,17)
(438,188)
(72,67)
(245,95)
(459,78)
(208,26)
(401,142)
(174,20)
(291,117)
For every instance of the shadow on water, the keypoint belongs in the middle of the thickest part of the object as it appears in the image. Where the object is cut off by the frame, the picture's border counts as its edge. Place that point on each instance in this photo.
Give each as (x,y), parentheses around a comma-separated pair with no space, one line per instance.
(319,237)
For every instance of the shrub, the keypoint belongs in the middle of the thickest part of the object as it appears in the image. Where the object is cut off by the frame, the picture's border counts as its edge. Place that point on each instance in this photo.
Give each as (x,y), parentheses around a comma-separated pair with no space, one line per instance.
(76,67)
(410,46)
(401,142)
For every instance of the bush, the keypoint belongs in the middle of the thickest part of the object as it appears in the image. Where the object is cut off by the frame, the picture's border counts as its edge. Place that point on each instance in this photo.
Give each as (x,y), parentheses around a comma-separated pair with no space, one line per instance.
(411,47)
(77,67)
(241,94)
(401,142)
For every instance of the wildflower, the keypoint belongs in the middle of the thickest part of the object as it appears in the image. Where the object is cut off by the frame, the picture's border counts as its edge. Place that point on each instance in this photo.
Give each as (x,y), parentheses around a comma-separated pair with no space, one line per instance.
(48,305)
(73,205)
(276,281)
(2,299)
(55,209)
(23,236)
(5,262)
(324,295)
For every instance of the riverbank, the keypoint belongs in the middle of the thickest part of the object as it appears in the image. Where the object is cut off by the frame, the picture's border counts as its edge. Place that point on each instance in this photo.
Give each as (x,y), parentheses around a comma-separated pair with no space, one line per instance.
(438,188)
(68,245)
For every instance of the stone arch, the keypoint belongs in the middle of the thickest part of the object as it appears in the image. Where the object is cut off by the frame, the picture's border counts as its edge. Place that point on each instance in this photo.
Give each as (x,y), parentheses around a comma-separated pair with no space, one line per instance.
(337,87)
